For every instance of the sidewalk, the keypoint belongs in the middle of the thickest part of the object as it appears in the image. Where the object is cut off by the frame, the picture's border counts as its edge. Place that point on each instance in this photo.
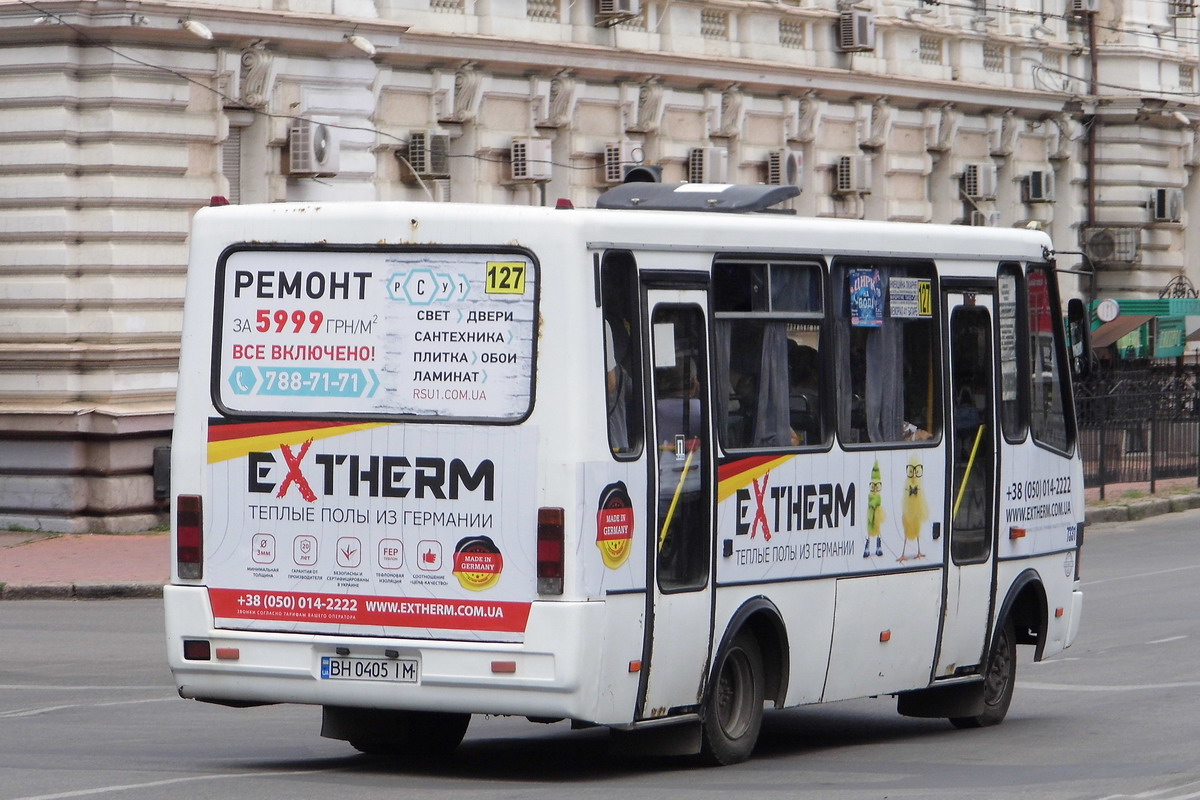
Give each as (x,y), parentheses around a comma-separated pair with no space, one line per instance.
(38,566)
(104,566)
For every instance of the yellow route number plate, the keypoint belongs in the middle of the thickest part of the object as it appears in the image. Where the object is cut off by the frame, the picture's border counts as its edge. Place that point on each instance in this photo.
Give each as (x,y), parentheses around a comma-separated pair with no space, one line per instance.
(506,277)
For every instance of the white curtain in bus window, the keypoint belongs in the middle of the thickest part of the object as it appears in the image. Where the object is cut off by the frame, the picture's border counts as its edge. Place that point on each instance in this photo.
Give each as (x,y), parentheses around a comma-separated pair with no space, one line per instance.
(1048,418)
(886,376)
(767,334)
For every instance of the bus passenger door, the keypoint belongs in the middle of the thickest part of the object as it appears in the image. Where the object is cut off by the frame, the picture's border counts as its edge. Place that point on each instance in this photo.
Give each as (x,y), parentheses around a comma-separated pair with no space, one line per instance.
(679,597)
(972,468)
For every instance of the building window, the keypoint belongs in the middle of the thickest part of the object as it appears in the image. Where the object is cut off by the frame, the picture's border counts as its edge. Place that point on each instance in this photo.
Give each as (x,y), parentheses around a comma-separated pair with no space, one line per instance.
(1187,78)
(931,50)
(451,6)
(791,33)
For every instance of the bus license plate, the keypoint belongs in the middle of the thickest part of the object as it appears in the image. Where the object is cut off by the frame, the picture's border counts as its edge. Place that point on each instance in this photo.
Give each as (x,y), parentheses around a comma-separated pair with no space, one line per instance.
(397,670)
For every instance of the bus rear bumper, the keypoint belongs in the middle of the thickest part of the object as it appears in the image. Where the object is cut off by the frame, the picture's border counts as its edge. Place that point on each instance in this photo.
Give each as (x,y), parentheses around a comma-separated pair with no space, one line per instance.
(553,673)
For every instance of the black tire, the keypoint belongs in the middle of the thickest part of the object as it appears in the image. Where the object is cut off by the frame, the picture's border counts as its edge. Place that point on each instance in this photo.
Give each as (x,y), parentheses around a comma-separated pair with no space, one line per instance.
(734,708)
(375,748)
(998,682)
(419,736)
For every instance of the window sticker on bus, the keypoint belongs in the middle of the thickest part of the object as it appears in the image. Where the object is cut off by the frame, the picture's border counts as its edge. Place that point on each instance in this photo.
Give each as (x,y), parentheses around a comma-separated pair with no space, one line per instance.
(866,298)
(910,298)
(376,333)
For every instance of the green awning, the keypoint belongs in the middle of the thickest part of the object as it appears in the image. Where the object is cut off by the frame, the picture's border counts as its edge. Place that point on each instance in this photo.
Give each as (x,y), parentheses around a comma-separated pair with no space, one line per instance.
(1110,332)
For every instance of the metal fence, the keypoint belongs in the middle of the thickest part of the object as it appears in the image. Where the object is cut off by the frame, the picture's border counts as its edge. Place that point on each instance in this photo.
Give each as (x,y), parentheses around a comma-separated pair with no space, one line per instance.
(1140,429)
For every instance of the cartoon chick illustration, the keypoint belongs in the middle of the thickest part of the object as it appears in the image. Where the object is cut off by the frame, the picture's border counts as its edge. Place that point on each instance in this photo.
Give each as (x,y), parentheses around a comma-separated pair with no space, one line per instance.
(874,513)
(916,511)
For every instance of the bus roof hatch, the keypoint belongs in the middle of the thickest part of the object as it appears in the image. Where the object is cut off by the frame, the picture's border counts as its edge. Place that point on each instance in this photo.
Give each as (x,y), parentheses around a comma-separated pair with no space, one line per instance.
(730,198)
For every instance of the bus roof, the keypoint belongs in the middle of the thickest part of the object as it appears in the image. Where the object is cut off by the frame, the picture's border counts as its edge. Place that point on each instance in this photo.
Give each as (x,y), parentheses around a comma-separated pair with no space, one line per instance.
(447,224)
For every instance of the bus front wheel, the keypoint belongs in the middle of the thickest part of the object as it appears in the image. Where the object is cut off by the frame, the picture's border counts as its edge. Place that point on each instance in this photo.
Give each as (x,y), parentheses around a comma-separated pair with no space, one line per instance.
(998,683)
(733,711)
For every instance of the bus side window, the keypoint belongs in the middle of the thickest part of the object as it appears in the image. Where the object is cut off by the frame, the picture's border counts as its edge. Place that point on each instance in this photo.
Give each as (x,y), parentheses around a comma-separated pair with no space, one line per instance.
(622,387)
(886,371)
(1047,399)
(768,353)
(1009,284)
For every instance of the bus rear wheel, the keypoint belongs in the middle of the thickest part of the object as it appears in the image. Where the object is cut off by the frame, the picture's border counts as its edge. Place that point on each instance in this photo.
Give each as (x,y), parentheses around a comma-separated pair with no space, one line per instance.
(998,682)
(733,711)
(417,735)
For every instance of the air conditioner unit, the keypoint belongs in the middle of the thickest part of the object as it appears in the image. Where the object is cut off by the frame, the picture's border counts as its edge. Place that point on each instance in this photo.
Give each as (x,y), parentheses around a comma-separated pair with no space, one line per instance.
(313,149)
(785,168)
(1080,7)
(610,12)
(856,31)
(985,219)
(440,189)
(618,157)
(708,165)
(1166,205)
(1038,187)
(1181,8)
(1122,245)
(429,154)
(851,175)
(531,159)
(979,180)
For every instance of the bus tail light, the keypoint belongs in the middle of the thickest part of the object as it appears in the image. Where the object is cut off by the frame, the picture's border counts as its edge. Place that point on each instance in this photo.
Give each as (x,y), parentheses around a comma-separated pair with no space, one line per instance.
(189,536)
(550,551)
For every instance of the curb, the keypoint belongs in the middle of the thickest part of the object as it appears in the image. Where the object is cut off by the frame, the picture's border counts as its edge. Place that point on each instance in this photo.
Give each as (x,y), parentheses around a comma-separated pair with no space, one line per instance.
(79,591)
(1142,509)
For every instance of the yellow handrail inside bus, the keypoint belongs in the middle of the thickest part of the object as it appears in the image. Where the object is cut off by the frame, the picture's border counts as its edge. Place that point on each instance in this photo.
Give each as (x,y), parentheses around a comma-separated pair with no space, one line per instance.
(962,488)
(687,464)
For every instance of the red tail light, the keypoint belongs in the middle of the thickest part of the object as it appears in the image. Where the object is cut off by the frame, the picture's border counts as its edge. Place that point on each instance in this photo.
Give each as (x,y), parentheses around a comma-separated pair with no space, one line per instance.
(189,536)
(550,551)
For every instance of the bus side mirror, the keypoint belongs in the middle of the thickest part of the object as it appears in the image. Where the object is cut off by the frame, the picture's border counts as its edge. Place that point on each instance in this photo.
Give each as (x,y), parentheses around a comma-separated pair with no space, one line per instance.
(1079,332)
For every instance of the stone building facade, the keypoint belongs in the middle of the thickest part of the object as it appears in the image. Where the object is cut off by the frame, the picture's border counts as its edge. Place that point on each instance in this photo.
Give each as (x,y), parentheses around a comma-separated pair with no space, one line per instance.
(121,117)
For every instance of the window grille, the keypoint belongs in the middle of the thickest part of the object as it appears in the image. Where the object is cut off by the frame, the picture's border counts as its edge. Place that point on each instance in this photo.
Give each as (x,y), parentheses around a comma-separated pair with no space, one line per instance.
(791,33)
(931,50)
(993,58)
(714,24)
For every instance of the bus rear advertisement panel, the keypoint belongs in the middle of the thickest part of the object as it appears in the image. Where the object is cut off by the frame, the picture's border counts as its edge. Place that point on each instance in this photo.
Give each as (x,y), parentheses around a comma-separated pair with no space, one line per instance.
(371,529)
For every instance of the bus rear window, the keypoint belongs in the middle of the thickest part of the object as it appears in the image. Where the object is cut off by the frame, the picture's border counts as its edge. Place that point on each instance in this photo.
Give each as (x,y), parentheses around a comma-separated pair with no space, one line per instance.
(442,334)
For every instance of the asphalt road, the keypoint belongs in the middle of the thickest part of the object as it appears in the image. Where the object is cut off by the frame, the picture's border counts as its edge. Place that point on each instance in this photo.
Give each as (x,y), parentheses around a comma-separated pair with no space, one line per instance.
(87,710)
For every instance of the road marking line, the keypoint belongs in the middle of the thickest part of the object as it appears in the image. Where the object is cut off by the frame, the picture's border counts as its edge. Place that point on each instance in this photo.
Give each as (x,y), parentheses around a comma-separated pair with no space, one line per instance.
(1159,793)
(1072,687)
(33,712)
(84,687)
(1168,639)
(1140,575)
(169,782)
